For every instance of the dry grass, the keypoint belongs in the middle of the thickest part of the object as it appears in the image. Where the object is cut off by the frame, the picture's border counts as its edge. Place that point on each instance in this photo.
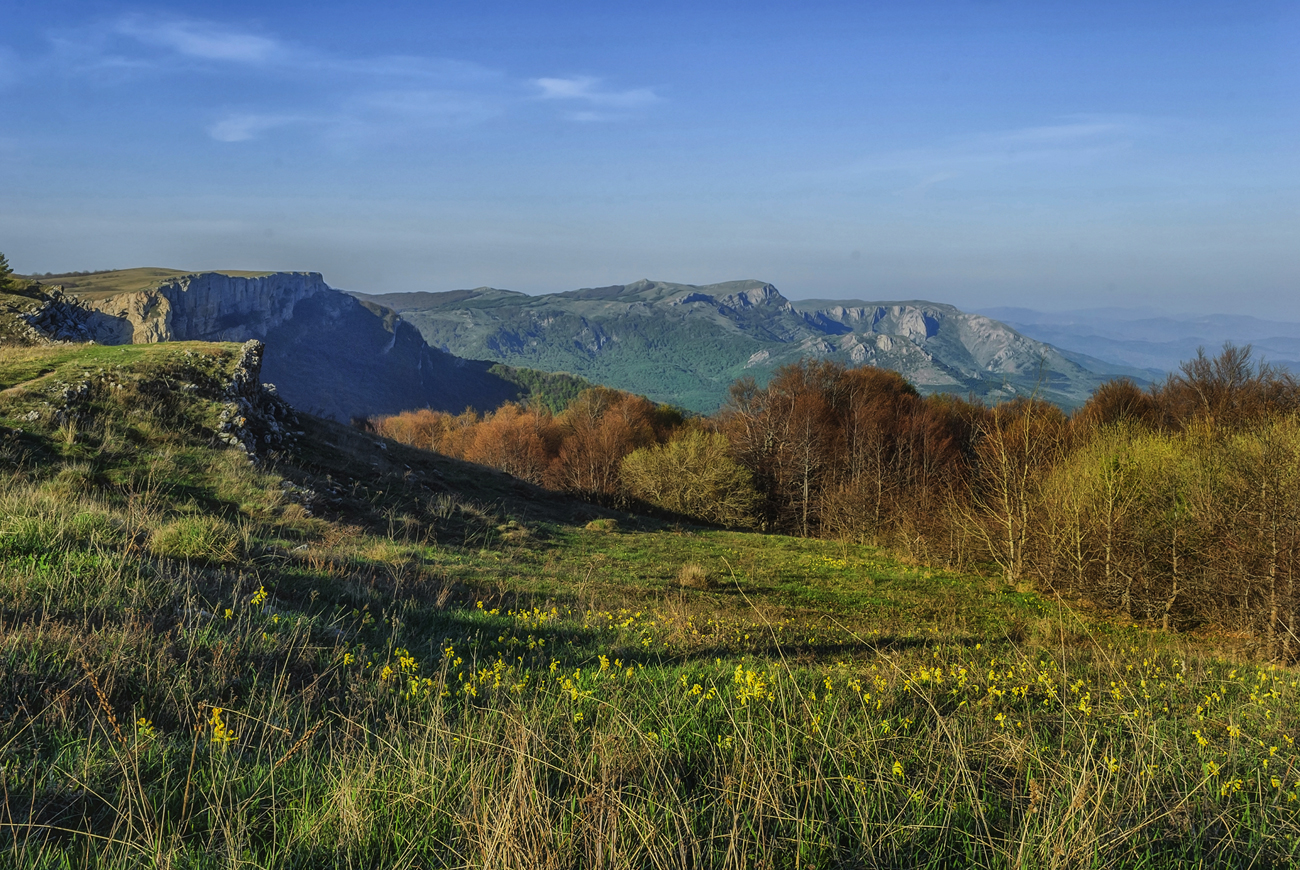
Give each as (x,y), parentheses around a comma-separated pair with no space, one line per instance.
(694,576)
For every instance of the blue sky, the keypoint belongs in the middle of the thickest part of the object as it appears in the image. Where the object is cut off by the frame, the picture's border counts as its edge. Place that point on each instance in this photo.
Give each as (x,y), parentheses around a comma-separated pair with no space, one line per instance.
(975,152)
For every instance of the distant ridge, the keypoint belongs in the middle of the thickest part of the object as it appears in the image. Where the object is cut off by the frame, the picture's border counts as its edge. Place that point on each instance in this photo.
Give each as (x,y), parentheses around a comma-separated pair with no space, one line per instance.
(1158,342)
(687,344)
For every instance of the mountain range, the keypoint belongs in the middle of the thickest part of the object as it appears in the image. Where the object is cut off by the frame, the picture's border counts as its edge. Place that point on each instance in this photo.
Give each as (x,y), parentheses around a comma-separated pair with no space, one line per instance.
(345,355)
(687,344)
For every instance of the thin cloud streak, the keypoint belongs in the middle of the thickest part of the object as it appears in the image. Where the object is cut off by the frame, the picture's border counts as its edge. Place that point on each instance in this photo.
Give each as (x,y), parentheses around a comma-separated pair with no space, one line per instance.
(204,40)
(243,128)
(209,40)
(383,95)
(431,108)
(587,89)
(1069,142)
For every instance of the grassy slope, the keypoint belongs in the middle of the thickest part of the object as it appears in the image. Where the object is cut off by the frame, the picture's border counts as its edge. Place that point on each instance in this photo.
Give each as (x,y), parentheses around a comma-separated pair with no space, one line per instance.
(100,285)
(433,665)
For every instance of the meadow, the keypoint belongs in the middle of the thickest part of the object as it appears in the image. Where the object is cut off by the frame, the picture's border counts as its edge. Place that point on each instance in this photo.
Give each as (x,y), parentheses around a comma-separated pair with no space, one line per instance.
(358,654)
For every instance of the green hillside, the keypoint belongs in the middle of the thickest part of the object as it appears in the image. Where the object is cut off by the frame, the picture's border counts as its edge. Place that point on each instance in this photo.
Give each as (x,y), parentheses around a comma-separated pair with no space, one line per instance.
(348,653)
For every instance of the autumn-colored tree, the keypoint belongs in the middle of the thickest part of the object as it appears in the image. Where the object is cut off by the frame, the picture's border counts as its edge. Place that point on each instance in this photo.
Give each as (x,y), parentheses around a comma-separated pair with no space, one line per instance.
(1118,401)
(515,440)
(790,438)
(600,428)
(1229,391)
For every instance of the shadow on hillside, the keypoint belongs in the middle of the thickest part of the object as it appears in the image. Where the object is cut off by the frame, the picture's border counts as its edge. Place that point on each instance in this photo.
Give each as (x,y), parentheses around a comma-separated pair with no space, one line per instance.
(371,476)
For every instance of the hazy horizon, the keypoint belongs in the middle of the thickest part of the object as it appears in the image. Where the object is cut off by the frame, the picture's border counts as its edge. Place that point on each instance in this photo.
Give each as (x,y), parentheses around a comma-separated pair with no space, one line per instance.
(980,154)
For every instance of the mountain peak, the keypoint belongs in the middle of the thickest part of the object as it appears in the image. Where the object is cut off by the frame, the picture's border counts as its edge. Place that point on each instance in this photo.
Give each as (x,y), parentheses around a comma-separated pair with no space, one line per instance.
(764,294)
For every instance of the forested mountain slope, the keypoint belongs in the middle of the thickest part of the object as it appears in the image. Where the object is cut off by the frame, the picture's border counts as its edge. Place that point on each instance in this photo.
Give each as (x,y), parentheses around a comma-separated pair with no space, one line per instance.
(686,344)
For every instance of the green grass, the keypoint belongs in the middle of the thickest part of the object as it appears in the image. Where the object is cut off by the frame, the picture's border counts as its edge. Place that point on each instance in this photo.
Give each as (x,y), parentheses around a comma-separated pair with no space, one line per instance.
(424,663)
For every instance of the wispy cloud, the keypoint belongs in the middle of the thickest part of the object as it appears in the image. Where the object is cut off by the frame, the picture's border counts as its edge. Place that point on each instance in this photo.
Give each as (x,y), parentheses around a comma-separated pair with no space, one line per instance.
(366,116)
(335,96)
(204,40)
(598,101)
(432,108)
(242,128)
(1071,141)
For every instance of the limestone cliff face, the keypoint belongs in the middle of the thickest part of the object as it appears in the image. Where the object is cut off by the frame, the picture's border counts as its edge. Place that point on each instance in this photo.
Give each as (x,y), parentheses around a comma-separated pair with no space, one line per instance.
(328,352)
(205,307)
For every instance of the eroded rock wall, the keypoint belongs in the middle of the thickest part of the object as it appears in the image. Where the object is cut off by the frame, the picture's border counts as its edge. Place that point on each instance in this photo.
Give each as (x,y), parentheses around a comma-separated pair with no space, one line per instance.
(204,307)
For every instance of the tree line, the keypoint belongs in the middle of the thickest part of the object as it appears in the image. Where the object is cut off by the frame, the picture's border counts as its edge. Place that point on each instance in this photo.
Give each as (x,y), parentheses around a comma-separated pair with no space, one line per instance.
(1178,504)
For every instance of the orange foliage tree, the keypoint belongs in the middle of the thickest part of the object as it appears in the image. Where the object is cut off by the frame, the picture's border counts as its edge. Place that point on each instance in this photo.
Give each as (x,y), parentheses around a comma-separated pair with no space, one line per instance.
(579,450)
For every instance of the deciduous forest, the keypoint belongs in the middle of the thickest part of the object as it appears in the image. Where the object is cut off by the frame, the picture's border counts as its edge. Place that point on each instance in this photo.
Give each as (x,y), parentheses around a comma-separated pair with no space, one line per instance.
(1177,505)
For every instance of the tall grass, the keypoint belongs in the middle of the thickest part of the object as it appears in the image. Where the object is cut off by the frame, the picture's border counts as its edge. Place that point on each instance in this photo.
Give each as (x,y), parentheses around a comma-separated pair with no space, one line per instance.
(555,737)
(196,672)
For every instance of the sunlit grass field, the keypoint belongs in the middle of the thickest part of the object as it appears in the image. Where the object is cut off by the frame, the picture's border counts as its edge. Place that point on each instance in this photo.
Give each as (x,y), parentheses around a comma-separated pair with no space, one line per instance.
(430,665)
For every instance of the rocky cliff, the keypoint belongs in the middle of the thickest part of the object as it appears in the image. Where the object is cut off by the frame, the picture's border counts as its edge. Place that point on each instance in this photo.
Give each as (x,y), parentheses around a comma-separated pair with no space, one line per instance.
(328,353)
(209,306)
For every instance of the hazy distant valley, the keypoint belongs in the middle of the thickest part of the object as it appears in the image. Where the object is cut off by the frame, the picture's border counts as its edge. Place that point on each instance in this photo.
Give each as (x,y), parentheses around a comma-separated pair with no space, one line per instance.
(1147,339)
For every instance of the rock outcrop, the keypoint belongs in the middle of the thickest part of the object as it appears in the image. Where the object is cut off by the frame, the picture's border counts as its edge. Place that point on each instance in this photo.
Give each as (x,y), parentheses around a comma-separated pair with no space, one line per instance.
(255,419)
(208,306)
(58,317)
(330,353)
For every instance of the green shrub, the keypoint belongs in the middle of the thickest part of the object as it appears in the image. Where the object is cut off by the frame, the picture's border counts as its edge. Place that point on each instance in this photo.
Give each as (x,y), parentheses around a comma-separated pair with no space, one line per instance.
(197,538)
(693,475)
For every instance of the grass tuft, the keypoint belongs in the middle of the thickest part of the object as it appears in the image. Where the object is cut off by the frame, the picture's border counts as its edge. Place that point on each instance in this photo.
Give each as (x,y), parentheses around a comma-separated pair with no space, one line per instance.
(197,538)
(694,576)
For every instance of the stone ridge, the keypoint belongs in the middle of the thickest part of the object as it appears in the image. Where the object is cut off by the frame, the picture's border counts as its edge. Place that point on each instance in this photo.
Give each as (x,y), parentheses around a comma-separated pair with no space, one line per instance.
(254,418)
(207,306)
(330,353)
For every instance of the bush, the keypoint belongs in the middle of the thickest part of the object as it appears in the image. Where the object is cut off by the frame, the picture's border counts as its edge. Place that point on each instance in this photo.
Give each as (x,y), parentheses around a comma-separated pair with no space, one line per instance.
(695,476)
(198,539)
